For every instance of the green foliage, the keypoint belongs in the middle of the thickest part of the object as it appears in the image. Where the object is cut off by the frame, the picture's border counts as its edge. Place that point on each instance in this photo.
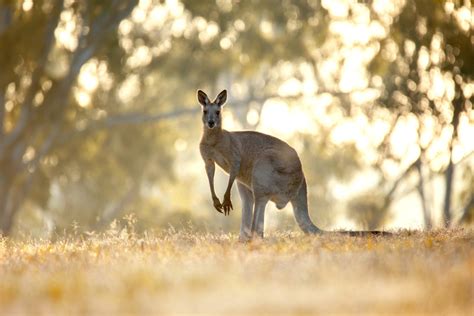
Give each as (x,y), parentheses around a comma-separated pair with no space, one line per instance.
(423,25)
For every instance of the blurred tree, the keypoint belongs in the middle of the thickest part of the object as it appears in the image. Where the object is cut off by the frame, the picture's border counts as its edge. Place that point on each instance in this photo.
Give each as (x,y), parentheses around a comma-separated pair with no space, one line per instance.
(324,162)
(72,70)
(368,210)
(467,211)
(38,72)
(427,66)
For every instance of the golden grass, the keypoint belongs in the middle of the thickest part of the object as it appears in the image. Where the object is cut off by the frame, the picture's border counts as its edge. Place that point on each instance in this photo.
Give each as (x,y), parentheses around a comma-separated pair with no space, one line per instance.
(122,273)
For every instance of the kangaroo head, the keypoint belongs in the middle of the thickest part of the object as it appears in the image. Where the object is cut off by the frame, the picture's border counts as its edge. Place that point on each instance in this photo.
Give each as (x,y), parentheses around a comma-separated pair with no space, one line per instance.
(211,111)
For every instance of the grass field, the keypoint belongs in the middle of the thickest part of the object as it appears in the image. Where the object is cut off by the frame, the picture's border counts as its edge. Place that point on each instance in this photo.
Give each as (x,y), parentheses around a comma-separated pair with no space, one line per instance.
(171,272)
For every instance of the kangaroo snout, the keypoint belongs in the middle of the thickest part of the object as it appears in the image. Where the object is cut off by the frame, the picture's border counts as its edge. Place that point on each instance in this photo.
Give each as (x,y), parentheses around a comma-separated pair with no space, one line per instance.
(211,124)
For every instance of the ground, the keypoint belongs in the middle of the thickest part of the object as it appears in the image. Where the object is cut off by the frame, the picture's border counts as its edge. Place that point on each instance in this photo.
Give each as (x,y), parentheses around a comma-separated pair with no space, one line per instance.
(122,273)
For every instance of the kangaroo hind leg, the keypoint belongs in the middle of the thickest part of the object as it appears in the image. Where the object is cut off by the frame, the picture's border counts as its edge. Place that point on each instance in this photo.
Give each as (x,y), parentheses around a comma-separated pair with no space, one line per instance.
(258,221)
(247,206)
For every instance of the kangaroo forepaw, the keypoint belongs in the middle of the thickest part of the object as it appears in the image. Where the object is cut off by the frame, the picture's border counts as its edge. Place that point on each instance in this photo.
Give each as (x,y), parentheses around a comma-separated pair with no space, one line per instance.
(217,204)
(227,205)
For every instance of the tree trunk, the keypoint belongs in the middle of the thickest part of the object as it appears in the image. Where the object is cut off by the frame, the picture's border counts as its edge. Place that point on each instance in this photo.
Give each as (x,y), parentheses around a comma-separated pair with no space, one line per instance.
(13,193)
(421,191)
(2,112)
(448,176)
(5,205)
(458,104)
(6,224)
(467,213)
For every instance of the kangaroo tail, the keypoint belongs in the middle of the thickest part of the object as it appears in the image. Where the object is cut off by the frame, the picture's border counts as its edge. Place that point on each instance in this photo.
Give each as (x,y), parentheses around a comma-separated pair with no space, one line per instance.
(300,209)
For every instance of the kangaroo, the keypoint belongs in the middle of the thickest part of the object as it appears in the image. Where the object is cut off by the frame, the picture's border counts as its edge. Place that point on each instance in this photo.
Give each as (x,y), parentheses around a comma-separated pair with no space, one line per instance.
(265,167)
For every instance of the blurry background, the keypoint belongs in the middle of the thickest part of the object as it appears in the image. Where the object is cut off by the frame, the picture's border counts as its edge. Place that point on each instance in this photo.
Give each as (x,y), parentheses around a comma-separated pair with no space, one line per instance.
(99,118)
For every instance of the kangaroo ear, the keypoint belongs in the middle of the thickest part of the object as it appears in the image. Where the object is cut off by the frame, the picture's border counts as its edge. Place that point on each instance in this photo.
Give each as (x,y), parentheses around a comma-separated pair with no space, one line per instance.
(221,98)
(203,98)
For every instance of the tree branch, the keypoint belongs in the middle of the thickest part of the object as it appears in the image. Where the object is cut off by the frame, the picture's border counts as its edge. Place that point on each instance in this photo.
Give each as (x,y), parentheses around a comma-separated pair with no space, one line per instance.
(26,111)
(88,44)
(421,192)
(2,113)
(141,118)
(6,17)
(389,197)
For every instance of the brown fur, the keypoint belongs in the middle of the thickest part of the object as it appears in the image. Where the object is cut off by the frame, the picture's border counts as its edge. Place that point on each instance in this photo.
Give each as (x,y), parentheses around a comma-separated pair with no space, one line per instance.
(265,167)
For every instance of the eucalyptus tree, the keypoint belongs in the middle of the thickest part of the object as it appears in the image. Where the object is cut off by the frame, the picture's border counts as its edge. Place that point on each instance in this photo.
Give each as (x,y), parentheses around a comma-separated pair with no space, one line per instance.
(427,67)
(44,45)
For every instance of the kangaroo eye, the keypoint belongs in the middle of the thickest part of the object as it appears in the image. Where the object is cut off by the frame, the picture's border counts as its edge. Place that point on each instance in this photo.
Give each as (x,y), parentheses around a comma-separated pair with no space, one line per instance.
(217,112)
(205,112)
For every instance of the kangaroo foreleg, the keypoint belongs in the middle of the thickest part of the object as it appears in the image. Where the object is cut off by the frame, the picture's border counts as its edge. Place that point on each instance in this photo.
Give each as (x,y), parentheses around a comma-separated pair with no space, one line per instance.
(210,170)
(227,204)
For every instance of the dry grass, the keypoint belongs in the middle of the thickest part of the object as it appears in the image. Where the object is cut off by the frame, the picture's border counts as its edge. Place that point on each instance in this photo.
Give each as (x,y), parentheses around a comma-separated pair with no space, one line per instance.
(186,273)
